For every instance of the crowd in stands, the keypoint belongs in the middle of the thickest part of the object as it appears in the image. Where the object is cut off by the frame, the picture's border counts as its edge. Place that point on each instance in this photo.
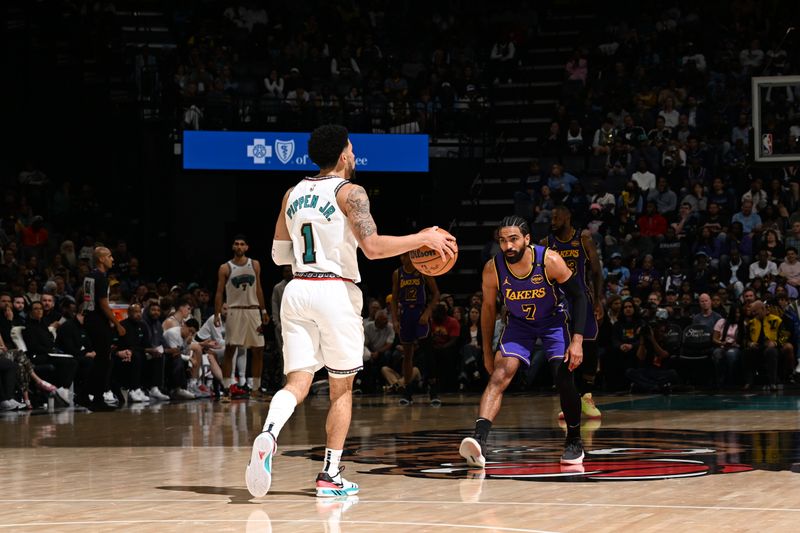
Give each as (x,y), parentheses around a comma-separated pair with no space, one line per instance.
(296,66)
(651,148)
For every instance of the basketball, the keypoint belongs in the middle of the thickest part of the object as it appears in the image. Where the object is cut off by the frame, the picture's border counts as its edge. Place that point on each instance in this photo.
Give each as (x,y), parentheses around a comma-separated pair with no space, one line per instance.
(429,262)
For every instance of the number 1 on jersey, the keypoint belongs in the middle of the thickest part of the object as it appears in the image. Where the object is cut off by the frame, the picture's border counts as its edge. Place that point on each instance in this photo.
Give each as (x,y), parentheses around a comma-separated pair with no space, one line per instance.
(309,254)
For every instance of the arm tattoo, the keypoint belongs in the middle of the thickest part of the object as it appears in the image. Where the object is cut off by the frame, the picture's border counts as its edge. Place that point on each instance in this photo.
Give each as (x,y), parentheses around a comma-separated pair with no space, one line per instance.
(358,210)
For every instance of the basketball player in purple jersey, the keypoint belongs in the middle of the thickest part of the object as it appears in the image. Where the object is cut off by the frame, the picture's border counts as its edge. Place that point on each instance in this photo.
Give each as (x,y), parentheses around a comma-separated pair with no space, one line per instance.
(578,249)
(414,295)
(530,280)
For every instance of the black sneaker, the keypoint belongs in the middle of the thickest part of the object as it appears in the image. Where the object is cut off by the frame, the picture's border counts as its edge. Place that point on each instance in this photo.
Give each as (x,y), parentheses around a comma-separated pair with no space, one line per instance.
(435,401)
(573,452)
(407,399)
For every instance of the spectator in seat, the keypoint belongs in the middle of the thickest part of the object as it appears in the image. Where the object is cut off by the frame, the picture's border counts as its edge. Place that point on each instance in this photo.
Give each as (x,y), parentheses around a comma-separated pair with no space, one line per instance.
(378,341)
(130,372)
(707,316)
(761,352)
(643,278)
(751,58)
(470,351)
(660,135)
(756,194)
(741,131)
(178,348)
(51,317)
(41,343)
(652,223)
(750,220)
(763,266)
(617,268)
(666,200)
(651,372)
(604,138)
(154,351)
(502,59)
(625,340)
(727,339)
(790,268)
(619,158)
(445,332)
(73,340)
(669,113)
(645,179)
(771,242)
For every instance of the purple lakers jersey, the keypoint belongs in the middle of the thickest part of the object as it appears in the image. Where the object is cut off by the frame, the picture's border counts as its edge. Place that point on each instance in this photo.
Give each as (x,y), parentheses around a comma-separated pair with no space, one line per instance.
(573,254)
(412,288)
(531,296)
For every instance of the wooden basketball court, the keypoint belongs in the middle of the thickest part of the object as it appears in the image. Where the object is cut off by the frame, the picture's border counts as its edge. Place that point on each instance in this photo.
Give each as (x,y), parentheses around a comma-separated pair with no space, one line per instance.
(680,463)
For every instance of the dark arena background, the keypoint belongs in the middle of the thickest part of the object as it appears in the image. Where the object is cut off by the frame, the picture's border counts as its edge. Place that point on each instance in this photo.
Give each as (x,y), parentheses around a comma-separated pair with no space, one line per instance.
(162,130)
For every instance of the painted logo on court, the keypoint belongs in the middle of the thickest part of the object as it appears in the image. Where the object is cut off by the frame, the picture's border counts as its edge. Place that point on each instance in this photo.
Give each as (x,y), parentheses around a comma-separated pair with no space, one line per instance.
(612,454)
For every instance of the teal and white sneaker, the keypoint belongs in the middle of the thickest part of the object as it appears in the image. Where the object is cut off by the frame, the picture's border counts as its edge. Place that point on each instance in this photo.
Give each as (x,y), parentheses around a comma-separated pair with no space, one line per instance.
(335,486)
(258,474)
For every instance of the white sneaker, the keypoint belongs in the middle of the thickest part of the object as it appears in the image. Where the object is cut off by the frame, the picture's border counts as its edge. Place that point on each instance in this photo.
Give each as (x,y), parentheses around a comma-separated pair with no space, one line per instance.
(797,368)
(470,450)
(258,474)
(8,405)
(20,405)
(156,394)
(64,394)
(109,398)
(182,394)
(138,395)
(335,486)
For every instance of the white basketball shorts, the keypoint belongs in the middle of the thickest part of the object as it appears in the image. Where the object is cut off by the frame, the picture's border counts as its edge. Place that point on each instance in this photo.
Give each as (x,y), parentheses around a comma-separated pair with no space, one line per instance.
(321,326)
(241,328)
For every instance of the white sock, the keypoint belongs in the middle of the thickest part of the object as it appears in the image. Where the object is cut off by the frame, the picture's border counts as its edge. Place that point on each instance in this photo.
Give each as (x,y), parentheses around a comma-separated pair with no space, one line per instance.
(250,382)
(193,382)
(280,409)
(332,458)
(242,382)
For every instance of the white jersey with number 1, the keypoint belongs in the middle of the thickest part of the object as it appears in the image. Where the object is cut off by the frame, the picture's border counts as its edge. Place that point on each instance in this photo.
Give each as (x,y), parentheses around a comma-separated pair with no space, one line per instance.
(322,240)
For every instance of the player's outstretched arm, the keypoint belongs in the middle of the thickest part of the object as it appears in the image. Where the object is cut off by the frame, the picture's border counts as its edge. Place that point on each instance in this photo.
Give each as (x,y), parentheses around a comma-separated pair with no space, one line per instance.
(282,242)
(557,270)
(488,313)
(354,203)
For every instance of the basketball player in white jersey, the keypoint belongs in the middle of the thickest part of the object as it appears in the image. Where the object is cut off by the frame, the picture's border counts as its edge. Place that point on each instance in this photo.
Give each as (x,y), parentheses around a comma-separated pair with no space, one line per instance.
(247,315)
(323,219)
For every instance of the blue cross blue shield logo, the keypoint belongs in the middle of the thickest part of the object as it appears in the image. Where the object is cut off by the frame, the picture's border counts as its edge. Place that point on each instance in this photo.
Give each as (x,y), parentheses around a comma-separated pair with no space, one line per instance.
(284,150)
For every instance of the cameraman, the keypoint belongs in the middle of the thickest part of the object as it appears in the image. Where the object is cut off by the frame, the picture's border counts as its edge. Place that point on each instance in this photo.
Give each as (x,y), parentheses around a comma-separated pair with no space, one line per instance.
(652,374)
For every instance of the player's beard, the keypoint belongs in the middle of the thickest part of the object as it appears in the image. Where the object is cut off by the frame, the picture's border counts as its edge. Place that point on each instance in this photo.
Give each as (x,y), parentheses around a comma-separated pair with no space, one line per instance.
(514,257)
(350,174)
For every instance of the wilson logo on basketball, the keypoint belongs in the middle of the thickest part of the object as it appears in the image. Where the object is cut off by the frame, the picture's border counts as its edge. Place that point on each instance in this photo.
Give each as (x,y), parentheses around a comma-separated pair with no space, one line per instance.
(612,455)
(422,254)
